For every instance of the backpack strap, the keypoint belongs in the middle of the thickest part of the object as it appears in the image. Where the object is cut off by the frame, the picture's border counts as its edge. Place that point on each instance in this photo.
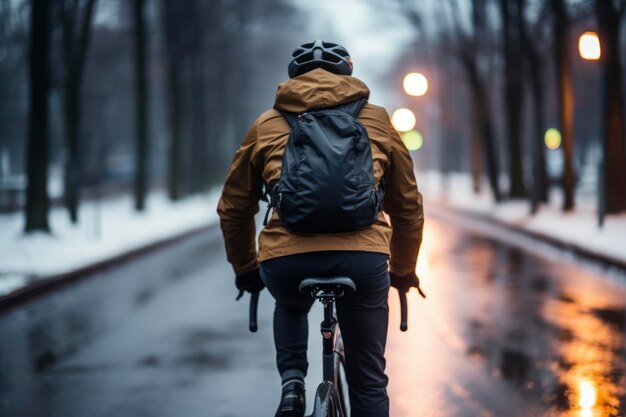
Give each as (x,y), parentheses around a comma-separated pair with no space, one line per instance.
(269,196)
(291,118)
(354,107)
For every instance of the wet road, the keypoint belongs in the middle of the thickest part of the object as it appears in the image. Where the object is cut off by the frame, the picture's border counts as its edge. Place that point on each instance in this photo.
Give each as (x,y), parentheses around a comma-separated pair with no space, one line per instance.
(503,333)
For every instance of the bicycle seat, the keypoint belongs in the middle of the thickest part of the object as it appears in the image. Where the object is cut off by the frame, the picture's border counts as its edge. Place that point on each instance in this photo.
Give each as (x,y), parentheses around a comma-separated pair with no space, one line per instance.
(327,286)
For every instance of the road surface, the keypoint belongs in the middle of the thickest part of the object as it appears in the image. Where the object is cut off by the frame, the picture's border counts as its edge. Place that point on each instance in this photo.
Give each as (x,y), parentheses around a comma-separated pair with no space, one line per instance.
(503,333)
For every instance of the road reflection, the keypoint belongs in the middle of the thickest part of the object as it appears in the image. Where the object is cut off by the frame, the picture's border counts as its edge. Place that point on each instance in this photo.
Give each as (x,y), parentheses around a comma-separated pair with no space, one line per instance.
(501,334)
(504,333)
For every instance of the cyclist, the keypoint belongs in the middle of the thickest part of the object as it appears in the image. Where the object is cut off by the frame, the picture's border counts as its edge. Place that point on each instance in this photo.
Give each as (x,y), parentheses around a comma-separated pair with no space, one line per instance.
(374,257)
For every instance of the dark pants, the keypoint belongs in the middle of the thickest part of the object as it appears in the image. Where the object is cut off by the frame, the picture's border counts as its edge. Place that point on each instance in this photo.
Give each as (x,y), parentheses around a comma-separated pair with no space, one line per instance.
(362,317)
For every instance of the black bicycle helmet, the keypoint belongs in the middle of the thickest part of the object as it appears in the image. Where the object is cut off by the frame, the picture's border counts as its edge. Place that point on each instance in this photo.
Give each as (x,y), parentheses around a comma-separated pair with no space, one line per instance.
(319,54)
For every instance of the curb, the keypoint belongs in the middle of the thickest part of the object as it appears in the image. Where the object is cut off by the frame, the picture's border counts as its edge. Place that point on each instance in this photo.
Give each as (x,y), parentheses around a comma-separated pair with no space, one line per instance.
(53,282)
(588,255)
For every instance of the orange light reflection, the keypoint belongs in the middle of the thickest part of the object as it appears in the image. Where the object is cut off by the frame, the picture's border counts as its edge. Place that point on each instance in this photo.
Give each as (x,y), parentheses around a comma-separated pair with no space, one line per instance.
(591,354)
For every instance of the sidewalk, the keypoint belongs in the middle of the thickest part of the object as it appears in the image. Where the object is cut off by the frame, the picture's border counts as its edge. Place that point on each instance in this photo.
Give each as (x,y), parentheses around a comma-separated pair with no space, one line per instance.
(577,231)
(107,230)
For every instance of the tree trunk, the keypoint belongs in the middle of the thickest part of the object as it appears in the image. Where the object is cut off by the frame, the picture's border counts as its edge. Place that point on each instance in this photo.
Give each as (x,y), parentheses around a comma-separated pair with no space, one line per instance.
(539,192)
(174,92)
(72,158)
(199,157)
(614,131)
(243,61)
(75,52)
(141,107)
(565,99)
(171,22)
(476,159)
(493,168)
(37,201)
(512,14)
(483,119)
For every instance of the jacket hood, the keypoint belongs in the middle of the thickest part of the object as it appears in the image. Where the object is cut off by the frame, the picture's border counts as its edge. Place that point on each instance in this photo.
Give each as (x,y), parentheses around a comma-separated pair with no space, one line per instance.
(318,89)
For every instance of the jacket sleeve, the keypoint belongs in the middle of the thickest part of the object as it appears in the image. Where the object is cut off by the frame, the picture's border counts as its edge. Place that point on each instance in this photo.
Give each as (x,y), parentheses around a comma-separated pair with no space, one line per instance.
(238,205)
(403,204)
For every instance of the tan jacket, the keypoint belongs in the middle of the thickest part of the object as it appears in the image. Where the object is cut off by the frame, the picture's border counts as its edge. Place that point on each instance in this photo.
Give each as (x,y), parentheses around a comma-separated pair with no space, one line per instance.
(258,160)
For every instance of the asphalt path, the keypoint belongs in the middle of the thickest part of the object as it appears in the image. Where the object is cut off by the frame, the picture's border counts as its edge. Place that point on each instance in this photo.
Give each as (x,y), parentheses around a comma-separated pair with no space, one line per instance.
(502,333)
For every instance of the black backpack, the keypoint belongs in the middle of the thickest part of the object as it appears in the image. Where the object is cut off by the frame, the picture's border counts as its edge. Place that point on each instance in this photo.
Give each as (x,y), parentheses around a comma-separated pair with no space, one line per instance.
(327,176)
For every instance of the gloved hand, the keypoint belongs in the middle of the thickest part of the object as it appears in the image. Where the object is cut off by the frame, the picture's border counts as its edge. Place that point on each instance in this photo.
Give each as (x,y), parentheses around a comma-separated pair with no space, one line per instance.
(249,281)
(403,283)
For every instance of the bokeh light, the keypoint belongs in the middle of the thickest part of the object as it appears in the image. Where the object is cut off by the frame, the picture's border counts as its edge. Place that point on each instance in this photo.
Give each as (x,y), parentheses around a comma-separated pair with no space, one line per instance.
(552,138)
(415,84)
(403,120)
(589,46)
(413,140)
(587,394)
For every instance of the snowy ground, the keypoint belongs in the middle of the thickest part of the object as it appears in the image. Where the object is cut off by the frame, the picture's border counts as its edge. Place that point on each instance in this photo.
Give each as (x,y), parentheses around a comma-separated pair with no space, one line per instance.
(106,229)
(579,228)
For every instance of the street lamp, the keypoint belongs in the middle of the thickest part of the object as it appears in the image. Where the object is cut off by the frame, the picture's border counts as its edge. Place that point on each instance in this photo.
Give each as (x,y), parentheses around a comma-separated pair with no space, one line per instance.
(589,46)
(590,49)
(413,140)
(415,84)
(552,138)
(403,120)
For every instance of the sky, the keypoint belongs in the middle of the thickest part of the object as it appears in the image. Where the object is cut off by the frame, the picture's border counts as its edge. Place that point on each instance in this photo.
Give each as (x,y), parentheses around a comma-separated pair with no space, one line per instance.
(373,35)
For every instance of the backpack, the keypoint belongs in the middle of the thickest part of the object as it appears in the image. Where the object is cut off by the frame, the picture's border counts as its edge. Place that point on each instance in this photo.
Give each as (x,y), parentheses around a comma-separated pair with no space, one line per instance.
(327,176)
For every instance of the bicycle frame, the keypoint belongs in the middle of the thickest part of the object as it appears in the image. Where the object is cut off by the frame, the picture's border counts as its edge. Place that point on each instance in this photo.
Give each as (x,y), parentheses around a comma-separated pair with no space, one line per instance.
(328,329)
(327,398)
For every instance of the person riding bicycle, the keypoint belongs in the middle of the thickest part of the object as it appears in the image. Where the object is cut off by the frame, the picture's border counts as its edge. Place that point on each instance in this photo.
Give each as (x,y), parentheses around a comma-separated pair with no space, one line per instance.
(382,253)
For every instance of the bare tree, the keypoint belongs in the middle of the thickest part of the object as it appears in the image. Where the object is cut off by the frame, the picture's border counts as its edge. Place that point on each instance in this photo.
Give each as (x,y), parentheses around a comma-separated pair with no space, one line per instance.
(193,83)
(198,93)
(535,72)
(469,54)
(512,15)
(14,36)
(610,15)
(37,202)
(76,17)
(565,96)
(172,22)
(141,107)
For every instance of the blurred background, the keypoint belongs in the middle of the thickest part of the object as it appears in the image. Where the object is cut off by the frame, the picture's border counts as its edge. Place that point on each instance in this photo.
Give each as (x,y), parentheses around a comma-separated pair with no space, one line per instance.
(119,120)
(107,97)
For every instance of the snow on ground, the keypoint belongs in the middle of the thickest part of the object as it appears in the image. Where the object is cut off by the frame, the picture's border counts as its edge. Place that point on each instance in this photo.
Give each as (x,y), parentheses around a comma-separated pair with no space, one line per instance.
(107,229)
(579,227)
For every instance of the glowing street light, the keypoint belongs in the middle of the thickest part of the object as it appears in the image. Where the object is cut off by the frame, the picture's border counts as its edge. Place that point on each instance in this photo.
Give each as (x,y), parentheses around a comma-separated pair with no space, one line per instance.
(415,84)
(589,46)
(413,140)
(552,138)
(403,120)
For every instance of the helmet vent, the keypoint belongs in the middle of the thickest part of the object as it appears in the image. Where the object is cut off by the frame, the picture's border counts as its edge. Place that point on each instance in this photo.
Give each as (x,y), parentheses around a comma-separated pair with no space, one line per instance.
(329,45)
(330,57)
(304,58)
(307,45)
(341,52)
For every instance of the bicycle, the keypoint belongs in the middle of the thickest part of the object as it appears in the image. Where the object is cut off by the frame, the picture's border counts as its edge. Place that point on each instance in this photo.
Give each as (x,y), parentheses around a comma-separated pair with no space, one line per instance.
(331,397)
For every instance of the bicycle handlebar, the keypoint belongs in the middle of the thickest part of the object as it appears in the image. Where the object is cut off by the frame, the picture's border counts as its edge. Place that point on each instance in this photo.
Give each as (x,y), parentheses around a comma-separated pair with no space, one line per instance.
(403,311)
(254,303)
